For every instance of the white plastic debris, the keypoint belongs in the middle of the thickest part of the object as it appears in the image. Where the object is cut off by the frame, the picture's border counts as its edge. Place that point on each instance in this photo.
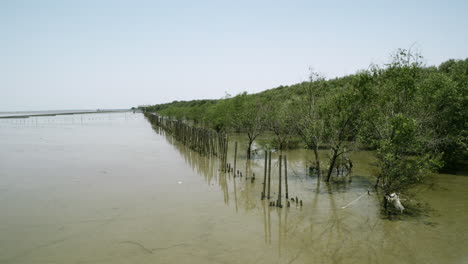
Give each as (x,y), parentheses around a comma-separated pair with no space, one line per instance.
(395,200)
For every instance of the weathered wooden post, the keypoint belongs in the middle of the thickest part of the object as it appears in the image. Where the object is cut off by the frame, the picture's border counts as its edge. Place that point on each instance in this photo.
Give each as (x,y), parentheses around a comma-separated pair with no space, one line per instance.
(269,174)
(264,175)
(279,185)
(247,166)
(286,175)
(227,147)
(235,155)
(225,151)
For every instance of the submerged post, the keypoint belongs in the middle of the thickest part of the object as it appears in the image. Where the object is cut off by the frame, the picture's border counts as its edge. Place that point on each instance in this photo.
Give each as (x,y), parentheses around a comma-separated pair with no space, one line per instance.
(279,185)
(286,175)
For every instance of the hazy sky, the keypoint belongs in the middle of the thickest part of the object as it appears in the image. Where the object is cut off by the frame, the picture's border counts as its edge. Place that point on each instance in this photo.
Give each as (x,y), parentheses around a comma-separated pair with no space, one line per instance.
(82,54)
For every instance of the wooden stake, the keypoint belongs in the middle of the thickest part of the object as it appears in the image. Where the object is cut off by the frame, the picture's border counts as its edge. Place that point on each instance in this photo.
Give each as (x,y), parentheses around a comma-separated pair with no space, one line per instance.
(286,175)
(264,175)
(235,155)
(279,185)
(269,174)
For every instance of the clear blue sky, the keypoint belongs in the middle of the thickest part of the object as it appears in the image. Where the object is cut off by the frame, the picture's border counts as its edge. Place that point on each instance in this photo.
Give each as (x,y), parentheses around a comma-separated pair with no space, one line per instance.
(84,54)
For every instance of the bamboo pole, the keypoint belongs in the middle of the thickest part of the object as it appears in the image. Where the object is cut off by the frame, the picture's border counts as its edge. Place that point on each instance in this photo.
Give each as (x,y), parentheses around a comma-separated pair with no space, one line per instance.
(226,150)
(264,175)
(269,174)
(246,168)
(235,155)
(286,175)
(279,185)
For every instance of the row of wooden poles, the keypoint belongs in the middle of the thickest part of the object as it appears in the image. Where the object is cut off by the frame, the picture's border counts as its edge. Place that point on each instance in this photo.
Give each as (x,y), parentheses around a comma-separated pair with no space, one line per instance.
(202,140)
(267,178)
(212,143)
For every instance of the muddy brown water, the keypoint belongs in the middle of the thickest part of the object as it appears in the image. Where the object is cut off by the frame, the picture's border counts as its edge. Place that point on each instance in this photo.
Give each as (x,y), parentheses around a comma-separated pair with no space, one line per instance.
(108,188)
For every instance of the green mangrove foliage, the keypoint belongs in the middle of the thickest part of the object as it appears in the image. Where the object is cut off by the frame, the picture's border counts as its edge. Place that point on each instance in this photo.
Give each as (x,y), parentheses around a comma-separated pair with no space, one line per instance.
(413,116)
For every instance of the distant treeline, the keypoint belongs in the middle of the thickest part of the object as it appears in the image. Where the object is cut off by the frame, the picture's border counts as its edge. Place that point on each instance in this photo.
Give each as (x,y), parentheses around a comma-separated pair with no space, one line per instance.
(414,116)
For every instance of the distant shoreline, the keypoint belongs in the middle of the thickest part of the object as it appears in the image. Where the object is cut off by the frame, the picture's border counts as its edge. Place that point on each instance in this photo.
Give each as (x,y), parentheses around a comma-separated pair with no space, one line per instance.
(65,112)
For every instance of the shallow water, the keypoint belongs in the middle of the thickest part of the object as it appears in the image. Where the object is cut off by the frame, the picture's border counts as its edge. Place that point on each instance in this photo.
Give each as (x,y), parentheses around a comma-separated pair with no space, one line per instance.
(107,188)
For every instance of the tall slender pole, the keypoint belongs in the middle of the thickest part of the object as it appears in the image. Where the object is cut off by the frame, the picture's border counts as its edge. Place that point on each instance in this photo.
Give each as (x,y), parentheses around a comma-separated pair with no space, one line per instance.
(265,174)
(247,168)
(225,151)
(235,155)
(269,174)
(286,175)
(279,185)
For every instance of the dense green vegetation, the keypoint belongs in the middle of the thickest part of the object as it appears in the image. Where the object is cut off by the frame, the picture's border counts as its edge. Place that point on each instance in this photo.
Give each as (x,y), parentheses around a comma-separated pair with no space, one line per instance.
(412,115)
